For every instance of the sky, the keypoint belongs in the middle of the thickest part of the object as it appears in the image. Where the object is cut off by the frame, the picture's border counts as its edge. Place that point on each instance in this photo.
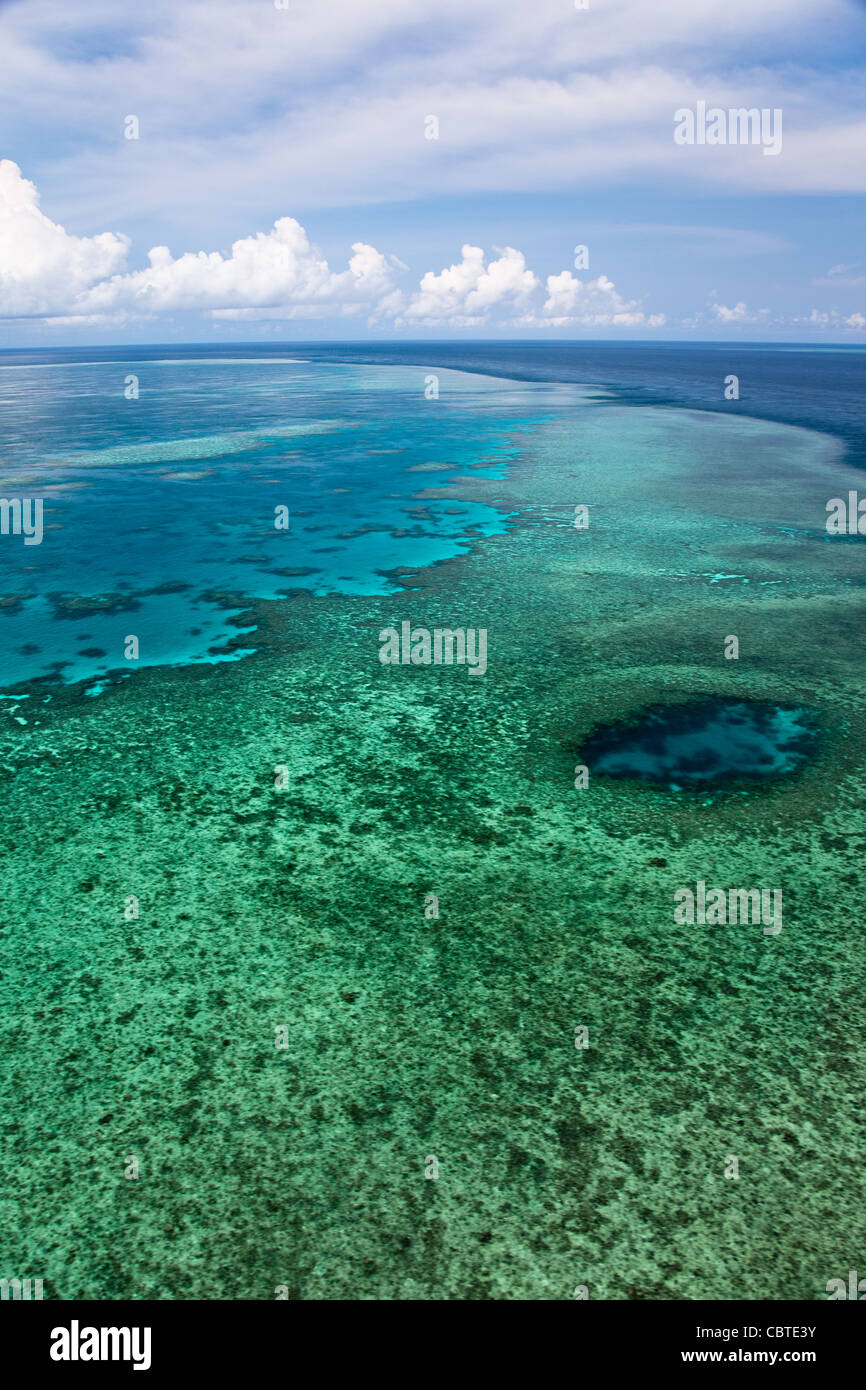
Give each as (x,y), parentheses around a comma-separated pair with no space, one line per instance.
(278,170)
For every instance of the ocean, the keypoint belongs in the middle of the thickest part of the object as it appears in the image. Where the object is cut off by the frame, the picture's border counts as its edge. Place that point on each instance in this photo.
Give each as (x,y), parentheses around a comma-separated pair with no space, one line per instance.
(328,977)
(161,469)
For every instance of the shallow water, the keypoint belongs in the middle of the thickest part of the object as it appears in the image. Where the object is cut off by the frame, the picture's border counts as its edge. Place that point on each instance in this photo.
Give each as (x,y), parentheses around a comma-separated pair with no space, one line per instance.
(177,491)
(163,508)
(165,909)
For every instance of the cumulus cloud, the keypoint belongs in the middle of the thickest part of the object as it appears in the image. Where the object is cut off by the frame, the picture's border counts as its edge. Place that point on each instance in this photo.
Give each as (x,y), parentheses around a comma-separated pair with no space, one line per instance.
(241,103)
(42,267)
(832,318)
(738,313)
(47,273)
(276,274)
(273,275)
(591,303)
(465,294)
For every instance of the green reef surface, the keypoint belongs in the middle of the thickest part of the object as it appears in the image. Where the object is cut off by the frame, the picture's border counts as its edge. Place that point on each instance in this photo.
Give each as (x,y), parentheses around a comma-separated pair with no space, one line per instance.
(263,1168)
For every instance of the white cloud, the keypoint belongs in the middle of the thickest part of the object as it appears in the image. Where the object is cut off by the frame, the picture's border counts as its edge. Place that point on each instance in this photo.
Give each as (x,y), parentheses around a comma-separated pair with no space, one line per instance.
(45,272)
(831,318)
(248,112)
(591,303)
(276,274)
(735,315)
(330,101)
(739,313)
(272,275)
(42,267)
(465,294)
(69,280)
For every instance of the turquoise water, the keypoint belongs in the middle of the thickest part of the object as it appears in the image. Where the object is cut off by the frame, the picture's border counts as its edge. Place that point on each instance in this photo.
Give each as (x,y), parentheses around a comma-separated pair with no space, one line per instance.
(167,910)
(160,510)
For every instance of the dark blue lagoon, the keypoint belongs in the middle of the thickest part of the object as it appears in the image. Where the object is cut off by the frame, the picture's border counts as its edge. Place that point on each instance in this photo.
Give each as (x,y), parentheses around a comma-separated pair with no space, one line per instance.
(704,741)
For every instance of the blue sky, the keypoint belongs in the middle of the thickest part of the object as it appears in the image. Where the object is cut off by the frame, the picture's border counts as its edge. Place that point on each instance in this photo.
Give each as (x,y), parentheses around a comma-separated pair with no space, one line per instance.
(283,183)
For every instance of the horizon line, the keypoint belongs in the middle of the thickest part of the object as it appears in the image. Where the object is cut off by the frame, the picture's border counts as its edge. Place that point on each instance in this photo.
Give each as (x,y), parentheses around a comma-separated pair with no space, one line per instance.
(456,342)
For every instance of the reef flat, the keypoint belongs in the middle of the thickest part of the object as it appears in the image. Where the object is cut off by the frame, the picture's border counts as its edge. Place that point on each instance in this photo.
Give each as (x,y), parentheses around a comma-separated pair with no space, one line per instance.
(411,1037)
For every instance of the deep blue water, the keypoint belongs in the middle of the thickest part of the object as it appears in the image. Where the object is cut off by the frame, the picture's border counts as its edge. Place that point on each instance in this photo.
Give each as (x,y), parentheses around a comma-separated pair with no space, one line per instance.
(819,388)
(704,742)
